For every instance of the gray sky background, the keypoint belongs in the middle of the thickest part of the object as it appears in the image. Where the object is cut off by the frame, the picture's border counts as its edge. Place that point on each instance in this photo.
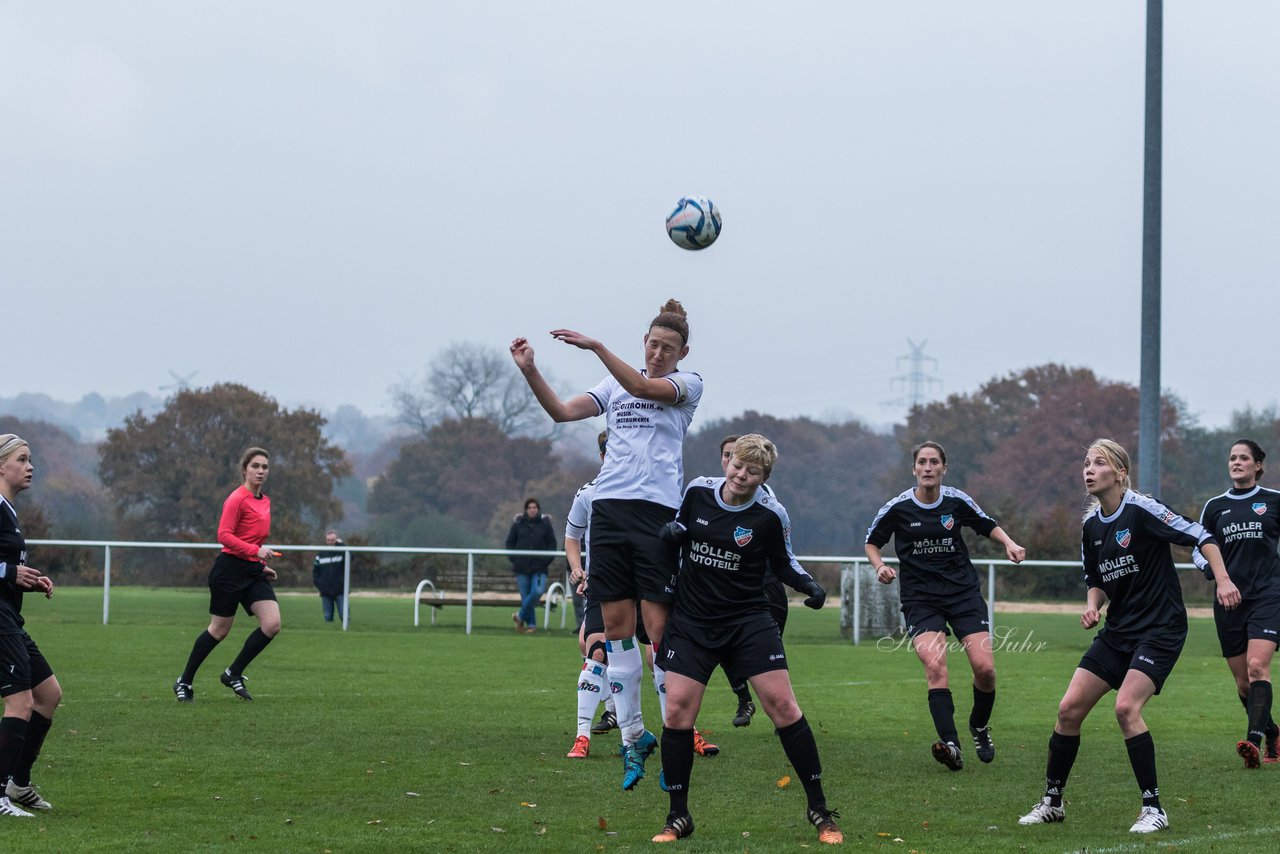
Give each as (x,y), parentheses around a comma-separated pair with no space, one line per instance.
(314,198)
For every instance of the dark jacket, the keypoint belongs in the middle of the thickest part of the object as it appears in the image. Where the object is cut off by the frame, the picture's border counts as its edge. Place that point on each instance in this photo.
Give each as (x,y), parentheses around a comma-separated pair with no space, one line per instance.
(326,572)
(532,535)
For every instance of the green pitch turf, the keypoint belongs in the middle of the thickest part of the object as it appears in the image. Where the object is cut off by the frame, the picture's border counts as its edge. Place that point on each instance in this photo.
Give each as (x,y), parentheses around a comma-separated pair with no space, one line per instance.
(395,738)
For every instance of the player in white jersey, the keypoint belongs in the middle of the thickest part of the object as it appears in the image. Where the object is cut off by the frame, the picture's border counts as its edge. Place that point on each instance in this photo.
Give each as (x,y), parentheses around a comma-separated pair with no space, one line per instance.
(637,492)
(1245,520)
(593,687)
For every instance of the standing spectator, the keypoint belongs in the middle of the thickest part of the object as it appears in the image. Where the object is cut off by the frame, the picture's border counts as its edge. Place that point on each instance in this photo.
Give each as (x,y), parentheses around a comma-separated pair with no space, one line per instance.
(530,531)
(326,574)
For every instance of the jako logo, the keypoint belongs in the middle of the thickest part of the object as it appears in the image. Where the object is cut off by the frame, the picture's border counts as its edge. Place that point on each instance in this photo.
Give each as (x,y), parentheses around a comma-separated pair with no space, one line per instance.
(615,687)
(1144,658)
(948,521)
(587,686)
(1124,538)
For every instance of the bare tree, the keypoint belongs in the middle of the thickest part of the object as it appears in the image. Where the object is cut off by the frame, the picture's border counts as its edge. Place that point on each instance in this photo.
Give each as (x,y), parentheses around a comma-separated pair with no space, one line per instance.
(466,381)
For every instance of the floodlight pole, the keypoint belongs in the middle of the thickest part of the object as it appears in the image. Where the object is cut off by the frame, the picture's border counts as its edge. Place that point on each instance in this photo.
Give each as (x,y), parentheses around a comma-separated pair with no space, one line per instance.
(1149,380)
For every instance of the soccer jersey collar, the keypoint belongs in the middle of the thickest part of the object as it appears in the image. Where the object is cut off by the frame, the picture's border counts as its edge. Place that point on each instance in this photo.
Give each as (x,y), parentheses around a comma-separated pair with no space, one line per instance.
(1249,493)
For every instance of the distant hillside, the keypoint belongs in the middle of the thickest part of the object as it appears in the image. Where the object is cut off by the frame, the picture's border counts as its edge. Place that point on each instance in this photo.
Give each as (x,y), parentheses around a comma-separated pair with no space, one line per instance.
(88,419)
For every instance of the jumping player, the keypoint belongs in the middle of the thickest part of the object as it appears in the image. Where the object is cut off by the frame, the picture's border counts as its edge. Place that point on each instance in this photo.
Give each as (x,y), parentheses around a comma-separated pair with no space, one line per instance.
(637,492)
(30,691)
(1245,520)
(940,587)
(239,577)
(731,533)
(1125,549)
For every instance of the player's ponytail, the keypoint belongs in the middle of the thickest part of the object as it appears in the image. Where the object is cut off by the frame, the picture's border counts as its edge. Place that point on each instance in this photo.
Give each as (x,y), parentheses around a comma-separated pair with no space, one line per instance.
(673,316)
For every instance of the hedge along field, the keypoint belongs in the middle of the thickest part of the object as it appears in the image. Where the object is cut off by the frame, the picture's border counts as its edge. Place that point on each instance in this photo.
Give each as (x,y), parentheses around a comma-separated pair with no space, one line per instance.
(391,738)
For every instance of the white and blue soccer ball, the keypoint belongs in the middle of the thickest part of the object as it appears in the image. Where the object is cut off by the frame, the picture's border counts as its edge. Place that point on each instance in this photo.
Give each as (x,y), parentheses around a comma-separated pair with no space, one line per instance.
(694,224)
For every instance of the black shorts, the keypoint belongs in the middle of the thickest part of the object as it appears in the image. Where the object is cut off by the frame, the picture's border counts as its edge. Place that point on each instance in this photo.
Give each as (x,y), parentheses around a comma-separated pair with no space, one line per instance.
(22,665)
(776,593)
(743,649)
(967,617)
(1110,658)
(628,558)
(1253,619)
(235,581)
(592,619)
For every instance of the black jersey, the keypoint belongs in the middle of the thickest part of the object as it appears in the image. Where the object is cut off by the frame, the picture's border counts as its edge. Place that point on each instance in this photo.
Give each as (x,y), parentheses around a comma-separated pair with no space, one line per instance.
(728,552)
(772,583)
(13,553)
(933,560)
(1126,555)
(1246,525)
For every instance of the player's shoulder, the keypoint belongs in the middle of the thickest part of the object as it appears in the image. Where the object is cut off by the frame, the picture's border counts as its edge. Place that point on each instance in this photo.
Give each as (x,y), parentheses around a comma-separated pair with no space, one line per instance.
(703,484)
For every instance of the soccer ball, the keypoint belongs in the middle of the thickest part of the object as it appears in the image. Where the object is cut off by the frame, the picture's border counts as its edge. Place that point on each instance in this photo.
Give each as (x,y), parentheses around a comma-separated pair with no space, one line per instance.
(694,224)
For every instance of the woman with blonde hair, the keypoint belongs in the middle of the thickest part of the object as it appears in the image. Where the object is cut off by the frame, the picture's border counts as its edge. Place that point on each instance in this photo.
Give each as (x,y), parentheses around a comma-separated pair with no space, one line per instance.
(731,532)
(637,491)
(1125,543)
(239,578)
(30,691)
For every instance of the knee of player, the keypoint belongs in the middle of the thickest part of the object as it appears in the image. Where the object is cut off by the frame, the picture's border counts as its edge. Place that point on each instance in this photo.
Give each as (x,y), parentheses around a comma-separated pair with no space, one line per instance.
(1128,712)
(1259,669)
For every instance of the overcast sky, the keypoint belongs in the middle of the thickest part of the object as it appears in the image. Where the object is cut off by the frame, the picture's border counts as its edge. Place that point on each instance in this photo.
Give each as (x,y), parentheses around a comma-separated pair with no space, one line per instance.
(313,198)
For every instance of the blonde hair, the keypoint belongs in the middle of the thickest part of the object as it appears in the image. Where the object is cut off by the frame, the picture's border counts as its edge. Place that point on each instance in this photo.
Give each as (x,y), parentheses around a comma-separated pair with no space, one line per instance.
(673,316)
(1118,458)
(755,450)
(9,445)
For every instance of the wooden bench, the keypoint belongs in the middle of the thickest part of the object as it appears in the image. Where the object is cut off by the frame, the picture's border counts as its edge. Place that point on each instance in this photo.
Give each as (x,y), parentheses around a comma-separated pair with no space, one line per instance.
(427,594)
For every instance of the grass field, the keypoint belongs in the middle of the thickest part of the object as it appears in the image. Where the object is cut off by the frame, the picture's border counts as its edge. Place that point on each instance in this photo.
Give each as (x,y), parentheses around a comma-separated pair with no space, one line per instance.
(391,738)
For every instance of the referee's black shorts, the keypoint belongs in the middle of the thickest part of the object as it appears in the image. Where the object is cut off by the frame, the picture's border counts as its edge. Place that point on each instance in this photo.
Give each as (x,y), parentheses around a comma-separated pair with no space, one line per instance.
(235,581)
(22,666)
(744,649)
(628,558)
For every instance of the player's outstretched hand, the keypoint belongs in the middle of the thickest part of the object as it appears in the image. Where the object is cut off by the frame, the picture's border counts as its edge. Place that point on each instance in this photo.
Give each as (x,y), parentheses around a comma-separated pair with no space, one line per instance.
(522,353)
(577,339)
(817,596)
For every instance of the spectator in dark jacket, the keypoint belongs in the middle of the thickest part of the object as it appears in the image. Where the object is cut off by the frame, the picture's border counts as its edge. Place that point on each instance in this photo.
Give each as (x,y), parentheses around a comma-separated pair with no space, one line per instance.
(326,573)
(530,531)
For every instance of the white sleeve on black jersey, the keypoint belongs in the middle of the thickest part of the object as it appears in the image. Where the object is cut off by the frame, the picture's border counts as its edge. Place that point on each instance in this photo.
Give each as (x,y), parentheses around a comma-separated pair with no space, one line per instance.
(878,527)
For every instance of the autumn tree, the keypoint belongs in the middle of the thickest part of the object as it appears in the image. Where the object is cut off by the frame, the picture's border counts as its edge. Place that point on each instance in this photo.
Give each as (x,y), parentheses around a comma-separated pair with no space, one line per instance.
(455,481)
(168,474)
(828,475)
(468,381)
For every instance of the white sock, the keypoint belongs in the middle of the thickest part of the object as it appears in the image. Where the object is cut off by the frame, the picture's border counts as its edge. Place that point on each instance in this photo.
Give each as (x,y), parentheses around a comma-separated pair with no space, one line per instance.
(592,686)
(610,706)
(659,684)
(625,666)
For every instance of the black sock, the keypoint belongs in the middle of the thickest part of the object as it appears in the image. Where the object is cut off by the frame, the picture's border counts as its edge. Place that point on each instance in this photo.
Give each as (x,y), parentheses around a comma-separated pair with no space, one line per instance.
(255,643)
(37,729)
(1062,755)
(199,652)
(983,703)
(1259,707)
(677,766)
(943,710)
(1142,756)
(802,751)
(13,738)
